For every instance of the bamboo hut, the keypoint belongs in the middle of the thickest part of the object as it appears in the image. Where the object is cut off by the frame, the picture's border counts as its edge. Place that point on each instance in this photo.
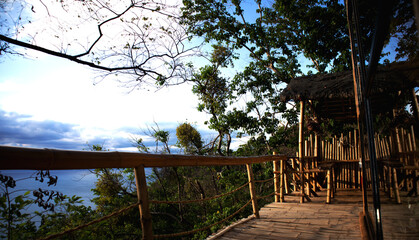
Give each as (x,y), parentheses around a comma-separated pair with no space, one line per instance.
(331,96)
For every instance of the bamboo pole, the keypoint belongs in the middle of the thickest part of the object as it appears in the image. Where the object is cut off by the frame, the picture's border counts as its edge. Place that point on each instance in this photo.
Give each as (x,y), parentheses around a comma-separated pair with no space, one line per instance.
(315,162)
(329,186)
(286,180)
(301,149)
(276,176)
(333,181)
(391,189)
(356,145)
(351,148)
(276,180)
(294,178)
(281,183)
(416,163)
(252,190)
(142,194)
(413,137)
(411,161)
(409,137)
(307,167)
(396,186)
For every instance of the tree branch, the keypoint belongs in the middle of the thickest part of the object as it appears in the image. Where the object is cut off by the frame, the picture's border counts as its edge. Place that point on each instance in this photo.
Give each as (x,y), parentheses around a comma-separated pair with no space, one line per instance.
(65,56)
(100,31)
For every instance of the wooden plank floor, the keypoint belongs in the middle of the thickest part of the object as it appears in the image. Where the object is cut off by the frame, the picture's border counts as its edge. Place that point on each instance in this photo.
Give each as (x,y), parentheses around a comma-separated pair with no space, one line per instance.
(317,220)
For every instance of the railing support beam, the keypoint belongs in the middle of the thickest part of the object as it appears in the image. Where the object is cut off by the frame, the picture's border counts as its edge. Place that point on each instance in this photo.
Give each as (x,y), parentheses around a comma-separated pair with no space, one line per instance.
(144,207)
(252,190)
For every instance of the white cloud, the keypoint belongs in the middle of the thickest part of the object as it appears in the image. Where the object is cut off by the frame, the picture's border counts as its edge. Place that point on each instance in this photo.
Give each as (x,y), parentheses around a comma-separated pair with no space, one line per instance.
(236,142)
(58,90)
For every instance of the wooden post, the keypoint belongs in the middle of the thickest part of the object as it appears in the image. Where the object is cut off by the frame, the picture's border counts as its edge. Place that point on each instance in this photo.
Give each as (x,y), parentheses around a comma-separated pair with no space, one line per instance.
(391,189)
(396,186)
(252,190)
(301,149)
(415,162)
(329,186)
(286,180)
(294,178)
(281,184)
(307,166)
(142,195)
(413,138)
(276,176)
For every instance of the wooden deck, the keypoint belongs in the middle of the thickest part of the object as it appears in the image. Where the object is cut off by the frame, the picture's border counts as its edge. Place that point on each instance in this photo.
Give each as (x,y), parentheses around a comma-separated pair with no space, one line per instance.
(317,220)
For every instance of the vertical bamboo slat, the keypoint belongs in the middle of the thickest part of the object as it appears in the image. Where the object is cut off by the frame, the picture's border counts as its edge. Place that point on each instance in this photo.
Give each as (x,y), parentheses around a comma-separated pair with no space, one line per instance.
(281,184)
(315,161)
(294,178)
(301,149)
(306,162)
(276,179)
(396,188)
(329,186)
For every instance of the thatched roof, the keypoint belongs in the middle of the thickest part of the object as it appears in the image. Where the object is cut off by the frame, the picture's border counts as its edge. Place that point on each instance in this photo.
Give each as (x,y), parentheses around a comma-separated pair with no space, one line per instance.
(394,78)
(334,92)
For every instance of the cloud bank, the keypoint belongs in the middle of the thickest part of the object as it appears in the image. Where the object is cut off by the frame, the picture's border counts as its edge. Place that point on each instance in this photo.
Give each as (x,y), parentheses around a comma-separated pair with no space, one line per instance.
(22,131)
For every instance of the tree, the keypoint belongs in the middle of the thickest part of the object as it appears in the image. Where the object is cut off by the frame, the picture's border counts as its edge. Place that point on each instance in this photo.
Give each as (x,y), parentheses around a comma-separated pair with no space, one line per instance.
(273,47)
(14,222)
(213,92)
(56,210)
(277,36)
(141,42)
(404,29)
(114,189)
(189,139)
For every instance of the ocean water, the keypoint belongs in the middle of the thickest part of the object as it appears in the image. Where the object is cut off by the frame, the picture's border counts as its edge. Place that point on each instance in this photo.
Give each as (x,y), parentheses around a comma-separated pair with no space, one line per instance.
(70,182)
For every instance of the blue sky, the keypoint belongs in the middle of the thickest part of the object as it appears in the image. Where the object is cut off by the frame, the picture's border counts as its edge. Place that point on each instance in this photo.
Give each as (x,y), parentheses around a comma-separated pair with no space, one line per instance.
(48,102)
(53,103)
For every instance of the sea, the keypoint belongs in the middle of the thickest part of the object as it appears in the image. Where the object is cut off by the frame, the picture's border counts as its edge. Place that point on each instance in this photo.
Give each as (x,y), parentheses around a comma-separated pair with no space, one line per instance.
(70,183)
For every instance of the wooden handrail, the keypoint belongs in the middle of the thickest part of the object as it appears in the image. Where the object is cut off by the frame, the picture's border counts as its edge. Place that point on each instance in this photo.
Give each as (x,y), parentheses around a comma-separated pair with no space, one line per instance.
(53,159)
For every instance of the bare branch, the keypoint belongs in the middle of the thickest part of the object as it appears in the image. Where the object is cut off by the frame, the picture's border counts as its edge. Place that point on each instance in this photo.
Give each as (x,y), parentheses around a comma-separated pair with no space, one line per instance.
(100,31)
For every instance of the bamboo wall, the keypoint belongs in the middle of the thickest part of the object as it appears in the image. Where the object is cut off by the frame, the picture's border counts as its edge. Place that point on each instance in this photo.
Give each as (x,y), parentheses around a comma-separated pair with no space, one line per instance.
(345,153)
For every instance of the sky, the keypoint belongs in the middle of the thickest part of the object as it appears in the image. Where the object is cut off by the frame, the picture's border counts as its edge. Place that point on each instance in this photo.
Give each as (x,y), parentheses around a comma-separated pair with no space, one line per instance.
(54,103)
(48,102)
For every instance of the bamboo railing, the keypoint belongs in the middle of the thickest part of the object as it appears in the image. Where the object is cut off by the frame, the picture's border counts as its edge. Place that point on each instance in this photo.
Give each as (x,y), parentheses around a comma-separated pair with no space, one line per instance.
(52,159)
(397,156)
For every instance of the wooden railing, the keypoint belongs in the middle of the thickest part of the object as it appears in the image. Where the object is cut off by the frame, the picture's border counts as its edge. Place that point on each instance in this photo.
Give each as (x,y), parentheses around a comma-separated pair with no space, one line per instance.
(52,159)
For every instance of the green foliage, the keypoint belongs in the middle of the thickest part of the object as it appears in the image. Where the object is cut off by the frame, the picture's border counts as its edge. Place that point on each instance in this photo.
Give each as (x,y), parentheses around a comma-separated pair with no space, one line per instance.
(139,144)
(404,29)
(15,223)
(213,92)
(189,138)
(276,35)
